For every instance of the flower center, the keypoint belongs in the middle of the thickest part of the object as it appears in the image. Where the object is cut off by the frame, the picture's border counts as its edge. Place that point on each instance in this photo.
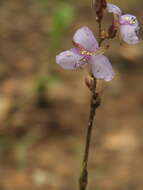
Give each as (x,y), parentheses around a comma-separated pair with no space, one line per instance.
(83,51)
(128,20)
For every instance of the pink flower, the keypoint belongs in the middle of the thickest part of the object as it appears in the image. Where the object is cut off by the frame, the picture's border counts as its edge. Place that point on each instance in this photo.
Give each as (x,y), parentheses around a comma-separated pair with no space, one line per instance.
(86,51)
(111,8)
(127,23)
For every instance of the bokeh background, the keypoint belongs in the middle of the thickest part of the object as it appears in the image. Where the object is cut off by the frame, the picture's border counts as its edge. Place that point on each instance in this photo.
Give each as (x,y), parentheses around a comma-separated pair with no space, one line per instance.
(44,109)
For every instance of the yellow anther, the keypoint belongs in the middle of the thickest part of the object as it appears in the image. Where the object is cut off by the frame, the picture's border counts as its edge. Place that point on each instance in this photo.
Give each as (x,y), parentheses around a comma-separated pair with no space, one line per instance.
(133,21)
(89,53)
(127,18)
(99,51)
(83,52)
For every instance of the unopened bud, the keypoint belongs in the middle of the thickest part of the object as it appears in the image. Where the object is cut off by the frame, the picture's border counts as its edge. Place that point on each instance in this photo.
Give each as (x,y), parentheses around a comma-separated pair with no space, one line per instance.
(89,83)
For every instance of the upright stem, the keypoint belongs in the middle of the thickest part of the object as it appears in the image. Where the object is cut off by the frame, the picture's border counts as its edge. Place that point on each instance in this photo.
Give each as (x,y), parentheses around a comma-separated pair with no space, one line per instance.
(99,28)
(95,102)
(100,33)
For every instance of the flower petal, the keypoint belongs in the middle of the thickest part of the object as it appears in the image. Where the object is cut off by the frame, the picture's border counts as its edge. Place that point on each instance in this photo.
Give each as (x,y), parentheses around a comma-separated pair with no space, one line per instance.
(111,8)
(128,34)
(129,19)
(69,59)
(101,68)
(86,39)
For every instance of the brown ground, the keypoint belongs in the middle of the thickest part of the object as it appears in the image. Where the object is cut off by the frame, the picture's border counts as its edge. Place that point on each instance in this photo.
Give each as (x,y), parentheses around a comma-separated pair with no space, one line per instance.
(44,109)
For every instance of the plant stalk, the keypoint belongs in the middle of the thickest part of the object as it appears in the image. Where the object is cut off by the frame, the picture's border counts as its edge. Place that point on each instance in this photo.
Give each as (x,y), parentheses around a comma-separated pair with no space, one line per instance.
(95,102)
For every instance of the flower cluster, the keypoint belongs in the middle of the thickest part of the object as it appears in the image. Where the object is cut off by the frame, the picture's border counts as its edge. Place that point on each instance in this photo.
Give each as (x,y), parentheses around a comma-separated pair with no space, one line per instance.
(127,23)
(87,50)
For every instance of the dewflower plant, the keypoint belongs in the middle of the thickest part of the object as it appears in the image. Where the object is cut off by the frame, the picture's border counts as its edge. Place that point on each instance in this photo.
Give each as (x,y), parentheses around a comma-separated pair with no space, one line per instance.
(87,50)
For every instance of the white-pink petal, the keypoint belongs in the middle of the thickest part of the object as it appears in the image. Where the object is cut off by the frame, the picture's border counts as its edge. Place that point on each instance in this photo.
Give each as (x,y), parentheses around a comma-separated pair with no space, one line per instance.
(101,67)
(128,34)
(111,8)
(69,59)
(86,39)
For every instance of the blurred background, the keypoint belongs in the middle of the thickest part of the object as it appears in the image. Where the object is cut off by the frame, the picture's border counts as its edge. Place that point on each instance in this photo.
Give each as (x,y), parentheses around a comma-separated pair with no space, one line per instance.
(44,109)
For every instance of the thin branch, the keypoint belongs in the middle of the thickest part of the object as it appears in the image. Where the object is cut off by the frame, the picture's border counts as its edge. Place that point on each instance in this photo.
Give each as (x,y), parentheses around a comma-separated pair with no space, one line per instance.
(95,102)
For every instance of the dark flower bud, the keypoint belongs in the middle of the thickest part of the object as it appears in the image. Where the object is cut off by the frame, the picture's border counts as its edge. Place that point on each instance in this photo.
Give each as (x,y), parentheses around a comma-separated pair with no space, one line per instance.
(89,83)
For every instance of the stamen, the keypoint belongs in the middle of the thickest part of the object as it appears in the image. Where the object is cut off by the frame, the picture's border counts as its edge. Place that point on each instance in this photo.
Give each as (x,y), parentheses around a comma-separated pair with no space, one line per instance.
(133,21)
(85,52)
(128,20)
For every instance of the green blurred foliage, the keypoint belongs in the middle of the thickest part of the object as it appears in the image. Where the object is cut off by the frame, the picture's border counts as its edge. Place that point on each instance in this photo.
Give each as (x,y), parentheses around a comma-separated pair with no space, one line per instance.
(44,83)
(61,20)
